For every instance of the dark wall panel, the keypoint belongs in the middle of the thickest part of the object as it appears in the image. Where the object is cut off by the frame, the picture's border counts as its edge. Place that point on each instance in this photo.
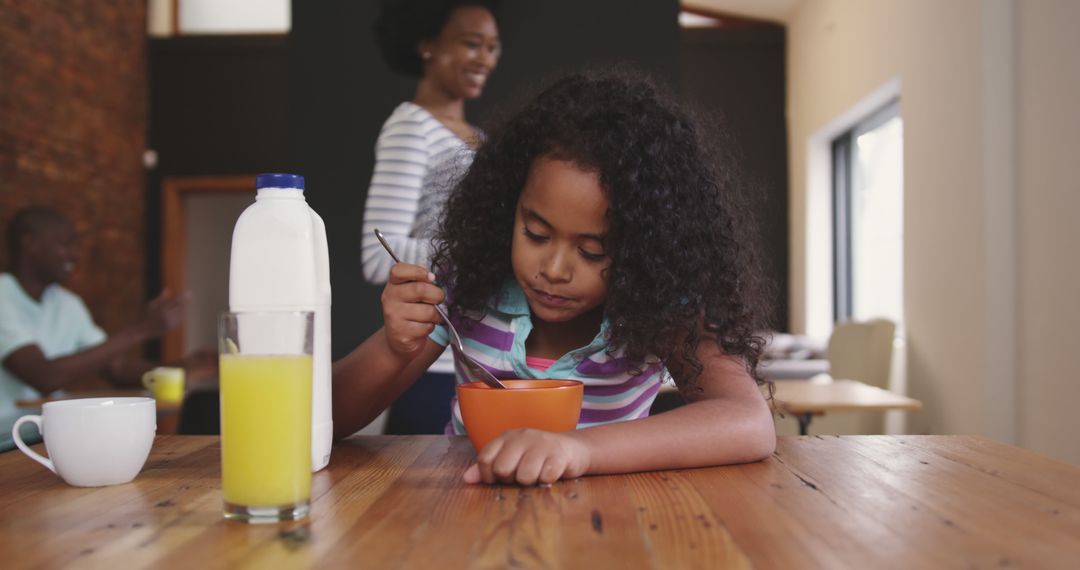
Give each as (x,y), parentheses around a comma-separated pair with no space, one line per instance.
(218,106)
(738,74)
(219,103)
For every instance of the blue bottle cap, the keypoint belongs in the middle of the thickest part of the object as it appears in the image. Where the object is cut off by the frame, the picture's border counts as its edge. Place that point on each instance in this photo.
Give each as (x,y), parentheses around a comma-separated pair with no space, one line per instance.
(279,180)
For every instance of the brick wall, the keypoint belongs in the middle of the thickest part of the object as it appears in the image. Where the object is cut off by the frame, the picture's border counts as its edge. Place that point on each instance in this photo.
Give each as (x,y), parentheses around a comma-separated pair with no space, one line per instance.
(72,132)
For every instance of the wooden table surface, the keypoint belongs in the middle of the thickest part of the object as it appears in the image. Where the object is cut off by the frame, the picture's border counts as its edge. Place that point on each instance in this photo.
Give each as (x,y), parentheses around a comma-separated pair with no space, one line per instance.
(397,502)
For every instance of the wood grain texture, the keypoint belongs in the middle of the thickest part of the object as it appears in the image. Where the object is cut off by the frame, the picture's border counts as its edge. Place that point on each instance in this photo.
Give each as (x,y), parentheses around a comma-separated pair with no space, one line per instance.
(397,502)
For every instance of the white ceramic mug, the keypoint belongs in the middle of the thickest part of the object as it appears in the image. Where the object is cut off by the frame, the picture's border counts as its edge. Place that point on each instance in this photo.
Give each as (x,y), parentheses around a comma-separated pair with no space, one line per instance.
(93,442)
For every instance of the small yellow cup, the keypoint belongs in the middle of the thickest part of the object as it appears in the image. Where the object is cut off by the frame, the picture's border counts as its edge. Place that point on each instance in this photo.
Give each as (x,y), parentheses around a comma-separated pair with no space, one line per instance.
(166,382)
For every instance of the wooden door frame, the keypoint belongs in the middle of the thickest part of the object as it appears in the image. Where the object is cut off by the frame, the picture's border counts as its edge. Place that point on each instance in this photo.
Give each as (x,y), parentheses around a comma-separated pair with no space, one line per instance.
(174,237)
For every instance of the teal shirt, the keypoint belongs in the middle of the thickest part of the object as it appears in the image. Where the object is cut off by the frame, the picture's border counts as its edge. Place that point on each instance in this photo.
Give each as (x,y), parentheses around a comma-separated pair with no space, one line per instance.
(59,325)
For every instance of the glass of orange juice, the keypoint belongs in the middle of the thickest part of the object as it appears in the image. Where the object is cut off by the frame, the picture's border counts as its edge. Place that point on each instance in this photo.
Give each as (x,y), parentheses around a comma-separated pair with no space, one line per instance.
(265,380)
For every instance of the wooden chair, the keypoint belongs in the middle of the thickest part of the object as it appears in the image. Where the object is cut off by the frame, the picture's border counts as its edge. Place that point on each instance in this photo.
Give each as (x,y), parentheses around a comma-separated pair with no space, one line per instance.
(863,351)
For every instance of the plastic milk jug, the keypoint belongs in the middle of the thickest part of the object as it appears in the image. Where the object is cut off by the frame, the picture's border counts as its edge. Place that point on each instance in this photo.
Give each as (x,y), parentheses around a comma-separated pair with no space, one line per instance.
(279,262)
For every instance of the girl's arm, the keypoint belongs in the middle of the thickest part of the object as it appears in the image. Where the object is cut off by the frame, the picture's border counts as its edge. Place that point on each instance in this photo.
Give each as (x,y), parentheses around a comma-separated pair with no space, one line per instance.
(726,420)
(370,378)
(375,373)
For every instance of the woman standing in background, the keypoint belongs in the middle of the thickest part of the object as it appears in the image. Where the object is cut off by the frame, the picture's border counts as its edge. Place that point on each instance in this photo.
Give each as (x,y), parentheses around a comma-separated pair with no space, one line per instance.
(423,148)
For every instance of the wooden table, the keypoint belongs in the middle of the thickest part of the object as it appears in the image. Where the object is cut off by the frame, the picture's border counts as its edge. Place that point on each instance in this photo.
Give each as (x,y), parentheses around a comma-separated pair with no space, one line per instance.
(808,398)
(168,413)
(397,502)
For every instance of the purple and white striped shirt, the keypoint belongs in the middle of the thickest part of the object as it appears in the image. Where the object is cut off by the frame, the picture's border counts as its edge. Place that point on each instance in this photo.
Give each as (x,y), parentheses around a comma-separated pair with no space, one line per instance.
(614,390)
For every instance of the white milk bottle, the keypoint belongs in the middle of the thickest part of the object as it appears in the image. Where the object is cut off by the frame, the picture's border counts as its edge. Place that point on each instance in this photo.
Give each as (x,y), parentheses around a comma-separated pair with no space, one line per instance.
(279,262)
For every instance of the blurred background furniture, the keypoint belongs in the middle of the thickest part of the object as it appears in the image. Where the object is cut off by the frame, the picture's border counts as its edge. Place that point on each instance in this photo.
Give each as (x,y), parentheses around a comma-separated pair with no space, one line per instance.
(862,351)
(805,399)
(866,351)
(865,364)
(786,357)
(792,357)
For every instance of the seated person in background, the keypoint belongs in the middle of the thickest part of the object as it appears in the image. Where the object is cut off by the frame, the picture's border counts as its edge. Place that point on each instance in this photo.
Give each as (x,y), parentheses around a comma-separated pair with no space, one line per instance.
(47,337)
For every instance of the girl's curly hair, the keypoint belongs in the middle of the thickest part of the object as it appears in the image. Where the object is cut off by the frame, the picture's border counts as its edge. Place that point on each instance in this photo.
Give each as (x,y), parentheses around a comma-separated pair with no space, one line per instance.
(402,24)
(679,232)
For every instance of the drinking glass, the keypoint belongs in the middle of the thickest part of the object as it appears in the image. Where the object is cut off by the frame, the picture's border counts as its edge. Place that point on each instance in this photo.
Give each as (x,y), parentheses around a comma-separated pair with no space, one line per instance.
(265,379)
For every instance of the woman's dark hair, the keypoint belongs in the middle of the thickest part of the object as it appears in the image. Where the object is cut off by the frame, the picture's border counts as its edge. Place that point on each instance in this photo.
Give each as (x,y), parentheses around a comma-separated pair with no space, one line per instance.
(404,23)
(680,237)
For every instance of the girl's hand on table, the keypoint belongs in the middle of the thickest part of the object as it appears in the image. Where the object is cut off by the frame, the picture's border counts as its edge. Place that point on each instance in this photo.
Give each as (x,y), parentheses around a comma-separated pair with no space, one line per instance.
(408,303)
(529,457)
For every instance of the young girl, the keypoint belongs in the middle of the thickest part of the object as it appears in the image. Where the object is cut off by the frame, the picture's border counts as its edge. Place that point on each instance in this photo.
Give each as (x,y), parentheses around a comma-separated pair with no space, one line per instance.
(591,239)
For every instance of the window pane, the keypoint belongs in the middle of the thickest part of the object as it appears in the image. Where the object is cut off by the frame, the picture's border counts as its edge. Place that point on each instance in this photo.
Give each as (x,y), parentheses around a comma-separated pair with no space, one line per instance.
(877,221)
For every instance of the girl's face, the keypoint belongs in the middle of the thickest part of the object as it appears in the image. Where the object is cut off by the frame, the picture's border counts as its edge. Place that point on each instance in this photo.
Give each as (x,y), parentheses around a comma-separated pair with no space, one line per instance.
(464,53)
(558,251)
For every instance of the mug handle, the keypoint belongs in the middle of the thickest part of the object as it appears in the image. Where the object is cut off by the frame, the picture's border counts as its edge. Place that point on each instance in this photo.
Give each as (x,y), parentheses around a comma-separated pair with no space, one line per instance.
(148,380)
(25,448)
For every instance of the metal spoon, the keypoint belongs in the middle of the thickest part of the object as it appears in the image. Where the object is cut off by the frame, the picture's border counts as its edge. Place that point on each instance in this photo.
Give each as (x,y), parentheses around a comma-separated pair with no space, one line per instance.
(473,367)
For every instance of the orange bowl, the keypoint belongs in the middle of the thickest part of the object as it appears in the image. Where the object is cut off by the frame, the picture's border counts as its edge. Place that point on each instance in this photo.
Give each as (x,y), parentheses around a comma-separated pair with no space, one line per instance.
(549,405)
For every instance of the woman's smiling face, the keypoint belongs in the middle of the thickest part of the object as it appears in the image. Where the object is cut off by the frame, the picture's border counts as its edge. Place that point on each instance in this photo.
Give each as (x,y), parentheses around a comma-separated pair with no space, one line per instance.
(464,53)
(558,249)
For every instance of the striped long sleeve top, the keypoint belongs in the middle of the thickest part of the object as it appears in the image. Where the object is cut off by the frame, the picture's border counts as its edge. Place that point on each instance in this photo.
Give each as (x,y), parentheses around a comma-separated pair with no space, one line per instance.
(417,162)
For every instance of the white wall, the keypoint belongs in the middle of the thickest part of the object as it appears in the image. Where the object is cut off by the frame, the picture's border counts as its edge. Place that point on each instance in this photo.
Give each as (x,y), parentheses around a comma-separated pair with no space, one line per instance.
(1049,246)
(209,220)
(965,175)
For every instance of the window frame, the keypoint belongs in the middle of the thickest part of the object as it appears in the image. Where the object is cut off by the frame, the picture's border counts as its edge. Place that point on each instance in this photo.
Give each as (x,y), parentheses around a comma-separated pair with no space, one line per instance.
(842,162)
